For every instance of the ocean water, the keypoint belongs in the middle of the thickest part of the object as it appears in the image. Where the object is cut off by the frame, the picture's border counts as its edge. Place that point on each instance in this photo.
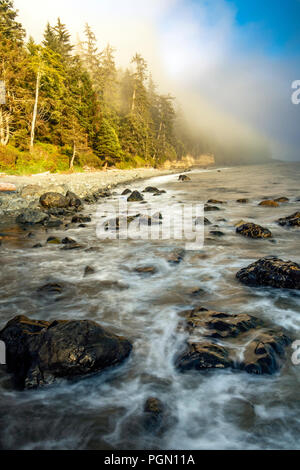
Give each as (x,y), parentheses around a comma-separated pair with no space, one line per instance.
(207,410)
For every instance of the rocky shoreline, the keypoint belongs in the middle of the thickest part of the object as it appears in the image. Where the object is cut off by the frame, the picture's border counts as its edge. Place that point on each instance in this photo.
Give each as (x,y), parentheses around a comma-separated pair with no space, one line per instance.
(25,191)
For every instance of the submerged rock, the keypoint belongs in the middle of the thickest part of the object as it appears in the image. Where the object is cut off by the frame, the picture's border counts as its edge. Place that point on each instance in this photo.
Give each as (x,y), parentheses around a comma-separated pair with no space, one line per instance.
(215,201)
(242,201)
(269,203)
(290,221)
(88,271)
(210,343)
(272,272)
(282,199)
(32,217)
(208,208)
(154,413)
(40,352)
(253,231)
(150,270)
(79,219)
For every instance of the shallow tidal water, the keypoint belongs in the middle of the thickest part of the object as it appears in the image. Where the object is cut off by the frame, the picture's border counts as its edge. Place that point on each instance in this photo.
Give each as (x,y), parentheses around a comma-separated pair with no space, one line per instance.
(207,410)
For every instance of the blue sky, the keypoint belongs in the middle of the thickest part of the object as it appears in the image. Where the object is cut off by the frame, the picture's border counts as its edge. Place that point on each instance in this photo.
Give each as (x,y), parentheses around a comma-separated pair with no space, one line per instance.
(277,23)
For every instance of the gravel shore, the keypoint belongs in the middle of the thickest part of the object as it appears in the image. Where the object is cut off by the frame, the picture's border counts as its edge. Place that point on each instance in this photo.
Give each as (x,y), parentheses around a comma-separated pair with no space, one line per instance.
(30,188)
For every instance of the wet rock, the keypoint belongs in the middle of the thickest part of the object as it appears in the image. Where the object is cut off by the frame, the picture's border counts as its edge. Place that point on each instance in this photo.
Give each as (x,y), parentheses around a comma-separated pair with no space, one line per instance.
(208,208)
(253,231)
(53,200)
(52,223)
(125,192)
(135,197)
(176,256)
(32,217)
(243,201)
(290,221)
(209,345)
(146,270)
(184,178)
(72,246)
(88,271)
(154,413)
(272,272)
(217,233)
(68,241)
(53,241)
(151,189)
(263,355)
(39,352)
(79,219)
(219,325)
(159,193)
(51,290)
(74,201)
(269,203)
(200,356)
(215,201)
(38,245)
(282,199)
(201,221)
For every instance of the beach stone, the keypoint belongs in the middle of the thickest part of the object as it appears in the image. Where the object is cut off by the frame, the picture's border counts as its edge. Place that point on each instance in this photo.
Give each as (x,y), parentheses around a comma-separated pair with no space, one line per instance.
(146,270)
(215,201)
(53,200)
(151,189)
(53,241)
(282,199)
(135,197)
(208,208)
(253,231)
(32,217)
(79,219)
(184,178)
(88,271)
(272,272)
(269,203)
(41,352)
(125,192)
(74,201)
(290,221)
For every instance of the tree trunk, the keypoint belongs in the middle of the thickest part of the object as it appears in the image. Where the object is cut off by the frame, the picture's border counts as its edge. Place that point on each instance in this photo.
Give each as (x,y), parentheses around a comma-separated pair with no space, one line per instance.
(35,109)
(73,157)
(4,127)
(133,99)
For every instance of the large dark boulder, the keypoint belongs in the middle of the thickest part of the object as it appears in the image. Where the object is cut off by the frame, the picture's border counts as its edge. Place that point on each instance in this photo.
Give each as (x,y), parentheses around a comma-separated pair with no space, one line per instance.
(32,217)
(40,352)
(290,221)
(253,231)
(257,349)
(271,272)
(54,200)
